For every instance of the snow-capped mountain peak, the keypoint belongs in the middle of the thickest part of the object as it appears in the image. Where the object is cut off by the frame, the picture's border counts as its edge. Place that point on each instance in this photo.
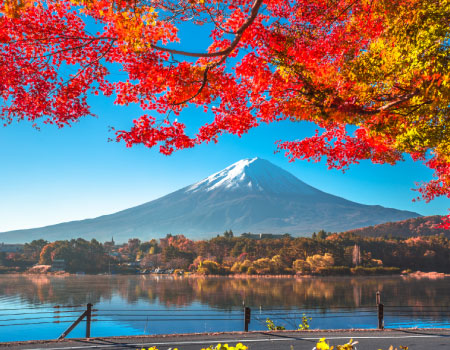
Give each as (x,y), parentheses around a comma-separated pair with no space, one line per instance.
(254,174)
(252,195)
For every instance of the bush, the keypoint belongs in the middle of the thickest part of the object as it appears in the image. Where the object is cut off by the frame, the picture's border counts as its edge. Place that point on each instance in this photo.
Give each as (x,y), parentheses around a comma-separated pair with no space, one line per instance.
(251,270)
(272,326)
(301,266)
(305,323)
(208,267)
(334,271)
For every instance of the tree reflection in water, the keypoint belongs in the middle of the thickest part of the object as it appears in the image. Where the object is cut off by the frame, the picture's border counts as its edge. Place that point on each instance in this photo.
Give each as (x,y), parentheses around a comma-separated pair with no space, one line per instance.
(131,305)
(226,293)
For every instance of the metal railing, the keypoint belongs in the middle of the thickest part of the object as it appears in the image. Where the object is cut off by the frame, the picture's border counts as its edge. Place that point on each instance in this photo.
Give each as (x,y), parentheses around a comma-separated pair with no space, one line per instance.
(73,315)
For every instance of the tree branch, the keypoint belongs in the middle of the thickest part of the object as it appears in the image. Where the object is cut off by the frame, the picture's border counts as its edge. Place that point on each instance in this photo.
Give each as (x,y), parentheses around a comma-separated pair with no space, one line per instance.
(253,13)
(224,53)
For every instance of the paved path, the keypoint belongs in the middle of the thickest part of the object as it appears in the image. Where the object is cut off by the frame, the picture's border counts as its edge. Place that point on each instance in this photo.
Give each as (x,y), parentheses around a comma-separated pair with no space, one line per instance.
(436,339)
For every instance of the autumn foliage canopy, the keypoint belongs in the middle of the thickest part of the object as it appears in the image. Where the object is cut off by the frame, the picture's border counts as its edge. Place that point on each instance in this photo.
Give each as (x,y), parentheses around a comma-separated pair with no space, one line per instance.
(372,74)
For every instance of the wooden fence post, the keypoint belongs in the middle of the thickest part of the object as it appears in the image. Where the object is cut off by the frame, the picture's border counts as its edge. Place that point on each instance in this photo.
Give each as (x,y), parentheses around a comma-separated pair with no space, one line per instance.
(88,320)
(380,311)
(247,315)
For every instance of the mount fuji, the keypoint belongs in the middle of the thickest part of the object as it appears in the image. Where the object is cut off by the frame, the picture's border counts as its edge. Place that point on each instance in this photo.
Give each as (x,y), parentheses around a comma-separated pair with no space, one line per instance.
(252,195)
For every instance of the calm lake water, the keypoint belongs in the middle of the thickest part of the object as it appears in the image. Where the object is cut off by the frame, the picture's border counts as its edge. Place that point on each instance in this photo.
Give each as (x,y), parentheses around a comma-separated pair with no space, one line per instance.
(132,305)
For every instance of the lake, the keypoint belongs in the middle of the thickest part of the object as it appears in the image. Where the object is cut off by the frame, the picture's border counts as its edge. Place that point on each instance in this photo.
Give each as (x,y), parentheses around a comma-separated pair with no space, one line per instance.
(134,305)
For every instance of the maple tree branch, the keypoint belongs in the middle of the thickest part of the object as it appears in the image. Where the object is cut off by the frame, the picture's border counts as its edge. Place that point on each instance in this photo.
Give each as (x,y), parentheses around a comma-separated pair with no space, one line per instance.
(253,13)
(72,48)
(68,49)
(344,10)
(217,24)
(397,101)
(412,109)
(224,53)
(83,68)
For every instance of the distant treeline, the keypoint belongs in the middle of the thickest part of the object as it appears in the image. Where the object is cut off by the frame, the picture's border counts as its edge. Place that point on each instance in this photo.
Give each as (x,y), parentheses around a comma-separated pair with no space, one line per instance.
(421,226)
(323,254)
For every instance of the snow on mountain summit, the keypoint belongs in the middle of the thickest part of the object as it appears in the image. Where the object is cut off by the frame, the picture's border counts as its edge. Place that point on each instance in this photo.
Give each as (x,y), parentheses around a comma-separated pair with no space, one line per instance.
(253,174)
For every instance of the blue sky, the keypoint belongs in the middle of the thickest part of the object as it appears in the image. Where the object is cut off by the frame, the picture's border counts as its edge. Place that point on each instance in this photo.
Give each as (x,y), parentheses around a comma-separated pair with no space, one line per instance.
(56,175)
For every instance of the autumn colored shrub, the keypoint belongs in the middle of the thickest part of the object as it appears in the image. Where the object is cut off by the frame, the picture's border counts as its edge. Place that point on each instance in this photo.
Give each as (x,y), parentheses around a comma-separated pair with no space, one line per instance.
(301,266)
(242,267)
(313,263)
(208,267)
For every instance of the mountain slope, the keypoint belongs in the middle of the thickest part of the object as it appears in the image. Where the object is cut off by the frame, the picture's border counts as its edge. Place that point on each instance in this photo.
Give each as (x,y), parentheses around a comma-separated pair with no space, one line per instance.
(252,195)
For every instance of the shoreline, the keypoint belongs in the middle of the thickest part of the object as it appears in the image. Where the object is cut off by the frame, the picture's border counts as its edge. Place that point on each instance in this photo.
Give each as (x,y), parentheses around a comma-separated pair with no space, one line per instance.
(416,274)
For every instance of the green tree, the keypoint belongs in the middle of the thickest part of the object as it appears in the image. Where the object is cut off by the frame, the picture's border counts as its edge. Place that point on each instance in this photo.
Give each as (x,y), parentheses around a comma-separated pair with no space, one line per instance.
(228,234)
(78,254)
(34,248)
(322,234)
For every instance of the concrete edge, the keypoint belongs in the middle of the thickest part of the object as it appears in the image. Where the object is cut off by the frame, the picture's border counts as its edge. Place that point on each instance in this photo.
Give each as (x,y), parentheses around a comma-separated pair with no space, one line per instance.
(150,336)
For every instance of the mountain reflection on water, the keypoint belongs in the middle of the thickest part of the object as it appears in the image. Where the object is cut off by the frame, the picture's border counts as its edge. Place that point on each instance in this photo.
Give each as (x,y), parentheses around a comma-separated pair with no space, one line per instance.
(332,302)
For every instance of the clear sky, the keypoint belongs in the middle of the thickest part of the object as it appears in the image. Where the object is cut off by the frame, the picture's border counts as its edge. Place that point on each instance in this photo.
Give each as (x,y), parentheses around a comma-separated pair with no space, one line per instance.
(56,175)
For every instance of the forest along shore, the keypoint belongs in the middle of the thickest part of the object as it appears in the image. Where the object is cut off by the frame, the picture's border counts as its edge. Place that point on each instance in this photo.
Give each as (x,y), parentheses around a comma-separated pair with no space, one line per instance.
(323,254)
